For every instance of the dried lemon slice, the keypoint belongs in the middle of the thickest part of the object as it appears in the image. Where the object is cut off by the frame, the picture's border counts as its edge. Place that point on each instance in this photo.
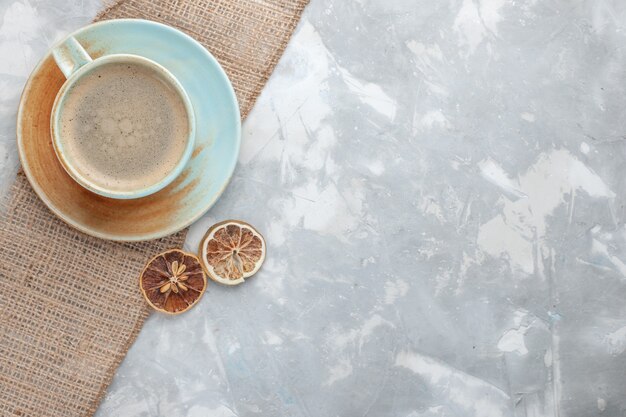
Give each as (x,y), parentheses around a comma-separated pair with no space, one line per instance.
(173,281)
(232,251)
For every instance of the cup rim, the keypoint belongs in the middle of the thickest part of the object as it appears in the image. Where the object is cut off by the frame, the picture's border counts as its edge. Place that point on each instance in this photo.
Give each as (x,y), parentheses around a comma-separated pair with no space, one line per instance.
(58,143)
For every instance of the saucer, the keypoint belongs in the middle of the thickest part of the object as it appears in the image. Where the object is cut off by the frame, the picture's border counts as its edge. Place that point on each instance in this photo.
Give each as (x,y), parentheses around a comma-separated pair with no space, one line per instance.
(218,135)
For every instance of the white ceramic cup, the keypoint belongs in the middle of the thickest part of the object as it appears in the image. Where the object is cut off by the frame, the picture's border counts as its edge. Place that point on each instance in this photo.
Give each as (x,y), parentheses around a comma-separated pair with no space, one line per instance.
(75,62)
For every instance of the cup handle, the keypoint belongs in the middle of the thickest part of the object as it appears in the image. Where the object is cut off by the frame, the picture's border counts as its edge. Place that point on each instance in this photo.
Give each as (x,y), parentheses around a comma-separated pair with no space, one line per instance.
(70,56)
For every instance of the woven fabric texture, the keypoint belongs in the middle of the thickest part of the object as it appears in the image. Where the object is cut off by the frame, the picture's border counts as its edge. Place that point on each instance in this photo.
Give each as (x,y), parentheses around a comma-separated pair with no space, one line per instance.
(70,306)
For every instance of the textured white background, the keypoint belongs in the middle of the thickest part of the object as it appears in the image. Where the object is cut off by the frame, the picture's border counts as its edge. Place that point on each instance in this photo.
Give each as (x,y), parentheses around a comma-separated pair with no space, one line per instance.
(441,187)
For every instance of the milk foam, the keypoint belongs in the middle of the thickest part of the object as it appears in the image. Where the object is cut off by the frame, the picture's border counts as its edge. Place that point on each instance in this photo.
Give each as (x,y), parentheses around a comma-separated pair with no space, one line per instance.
(123,127)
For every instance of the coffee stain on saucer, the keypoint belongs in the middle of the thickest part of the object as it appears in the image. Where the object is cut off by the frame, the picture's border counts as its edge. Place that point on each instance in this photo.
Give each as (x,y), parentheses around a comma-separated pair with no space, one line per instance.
(198,149)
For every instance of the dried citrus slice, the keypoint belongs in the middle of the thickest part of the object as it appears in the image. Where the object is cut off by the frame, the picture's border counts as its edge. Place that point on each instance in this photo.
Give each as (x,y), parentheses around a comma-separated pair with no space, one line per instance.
(173,281)
(232,251)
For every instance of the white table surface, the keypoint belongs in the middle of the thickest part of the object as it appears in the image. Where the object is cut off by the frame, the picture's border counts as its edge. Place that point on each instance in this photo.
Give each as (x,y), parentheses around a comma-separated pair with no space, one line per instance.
(441,185)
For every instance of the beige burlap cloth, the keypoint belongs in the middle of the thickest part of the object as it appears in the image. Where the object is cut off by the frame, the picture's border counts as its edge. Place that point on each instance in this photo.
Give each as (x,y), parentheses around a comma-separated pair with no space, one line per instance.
(70,306)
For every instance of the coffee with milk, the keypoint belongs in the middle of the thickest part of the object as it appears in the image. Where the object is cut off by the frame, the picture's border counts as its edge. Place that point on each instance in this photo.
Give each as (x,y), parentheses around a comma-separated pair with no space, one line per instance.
(123,126)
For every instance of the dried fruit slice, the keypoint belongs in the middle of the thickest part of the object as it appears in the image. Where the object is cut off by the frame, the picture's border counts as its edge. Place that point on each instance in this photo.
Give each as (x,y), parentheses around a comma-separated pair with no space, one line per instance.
(232,251)
(173,281)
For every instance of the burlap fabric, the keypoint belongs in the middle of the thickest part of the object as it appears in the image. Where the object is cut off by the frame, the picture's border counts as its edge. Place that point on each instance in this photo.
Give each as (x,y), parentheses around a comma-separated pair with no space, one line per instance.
(70,306)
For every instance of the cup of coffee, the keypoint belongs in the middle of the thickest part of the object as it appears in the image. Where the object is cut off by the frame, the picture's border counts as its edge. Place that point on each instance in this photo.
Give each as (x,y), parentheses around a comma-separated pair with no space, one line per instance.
(122,126)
